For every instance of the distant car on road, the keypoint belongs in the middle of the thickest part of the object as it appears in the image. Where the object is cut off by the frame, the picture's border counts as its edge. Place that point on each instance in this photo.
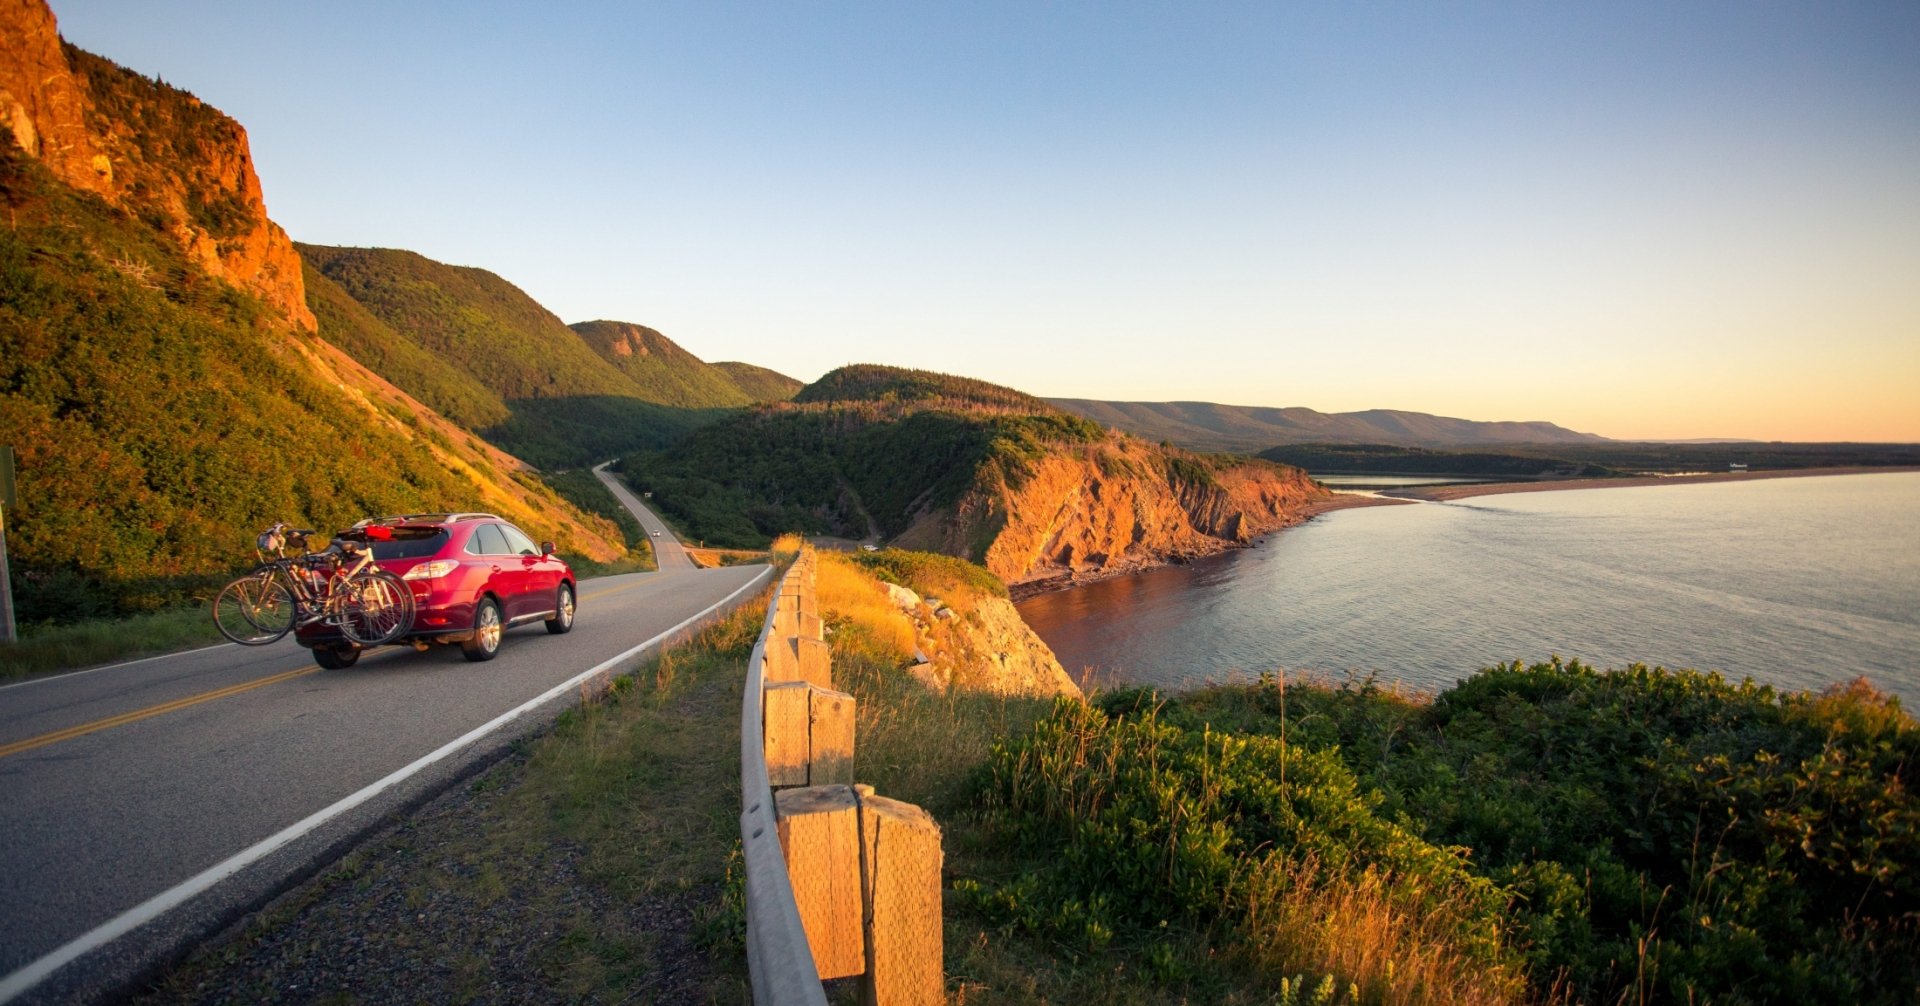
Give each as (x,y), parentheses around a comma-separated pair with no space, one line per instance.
(656,534)
(473,577)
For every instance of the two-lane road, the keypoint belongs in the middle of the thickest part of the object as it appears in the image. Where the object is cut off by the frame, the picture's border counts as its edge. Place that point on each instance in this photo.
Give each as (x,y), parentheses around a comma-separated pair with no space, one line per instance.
(666,548)
(145,804)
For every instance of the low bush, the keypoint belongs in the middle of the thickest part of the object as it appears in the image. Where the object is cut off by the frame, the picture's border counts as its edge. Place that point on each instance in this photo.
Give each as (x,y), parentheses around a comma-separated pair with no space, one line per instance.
(1640,835)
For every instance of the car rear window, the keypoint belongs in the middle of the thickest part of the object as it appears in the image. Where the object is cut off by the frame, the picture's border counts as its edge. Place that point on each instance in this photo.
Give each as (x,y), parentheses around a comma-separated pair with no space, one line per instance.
(487,540)
(411,543)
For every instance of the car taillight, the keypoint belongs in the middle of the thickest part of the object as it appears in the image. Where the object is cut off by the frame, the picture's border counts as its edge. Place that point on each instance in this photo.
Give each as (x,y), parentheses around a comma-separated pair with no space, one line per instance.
(432,570)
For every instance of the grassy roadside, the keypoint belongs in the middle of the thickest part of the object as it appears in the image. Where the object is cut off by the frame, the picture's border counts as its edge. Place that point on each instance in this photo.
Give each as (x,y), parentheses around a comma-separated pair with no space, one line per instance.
(45,649)
(595,864)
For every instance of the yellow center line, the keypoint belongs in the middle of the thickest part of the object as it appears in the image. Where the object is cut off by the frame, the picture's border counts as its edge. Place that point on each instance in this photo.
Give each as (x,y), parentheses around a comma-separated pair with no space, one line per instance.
(612,590)
(140,714)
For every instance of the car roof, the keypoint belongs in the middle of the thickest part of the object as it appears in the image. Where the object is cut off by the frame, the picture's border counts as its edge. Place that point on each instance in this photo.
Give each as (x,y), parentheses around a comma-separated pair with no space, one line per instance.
(436,518)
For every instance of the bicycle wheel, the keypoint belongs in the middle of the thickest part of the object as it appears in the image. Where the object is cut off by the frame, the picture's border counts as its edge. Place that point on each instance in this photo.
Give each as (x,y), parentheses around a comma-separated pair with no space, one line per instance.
(377,608)
(254,610)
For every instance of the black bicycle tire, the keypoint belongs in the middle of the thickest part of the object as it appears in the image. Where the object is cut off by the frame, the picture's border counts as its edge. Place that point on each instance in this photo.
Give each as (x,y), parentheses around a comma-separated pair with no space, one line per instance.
(403,598)
(263,634)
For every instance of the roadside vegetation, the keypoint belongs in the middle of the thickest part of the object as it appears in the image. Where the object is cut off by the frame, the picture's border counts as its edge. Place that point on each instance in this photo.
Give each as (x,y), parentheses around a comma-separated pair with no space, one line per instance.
(1542,833)
(45,648)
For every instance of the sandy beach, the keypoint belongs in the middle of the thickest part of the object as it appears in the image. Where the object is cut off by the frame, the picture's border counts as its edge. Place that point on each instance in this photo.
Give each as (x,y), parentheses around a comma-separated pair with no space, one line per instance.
(1440,493)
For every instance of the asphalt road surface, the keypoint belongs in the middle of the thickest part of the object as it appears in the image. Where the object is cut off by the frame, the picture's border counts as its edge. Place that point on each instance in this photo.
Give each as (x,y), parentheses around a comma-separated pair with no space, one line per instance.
(145,805)
(666,548)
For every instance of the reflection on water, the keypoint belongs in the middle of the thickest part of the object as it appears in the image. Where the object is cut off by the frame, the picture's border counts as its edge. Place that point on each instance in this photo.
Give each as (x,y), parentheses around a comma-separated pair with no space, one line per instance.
(1796,582)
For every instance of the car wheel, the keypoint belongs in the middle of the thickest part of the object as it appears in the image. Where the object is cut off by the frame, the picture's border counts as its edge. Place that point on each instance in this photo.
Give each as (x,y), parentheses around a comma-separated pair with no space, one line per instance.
(562,620)
(485,643)
(336,658)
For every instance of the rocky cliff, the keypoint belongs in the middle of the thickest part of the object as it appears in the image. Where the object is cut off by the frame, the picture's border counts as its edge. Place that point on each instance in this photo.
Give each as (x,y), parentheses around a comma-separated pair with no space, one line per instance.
(960,630)
(1115,507)
(980,643)
(154,151)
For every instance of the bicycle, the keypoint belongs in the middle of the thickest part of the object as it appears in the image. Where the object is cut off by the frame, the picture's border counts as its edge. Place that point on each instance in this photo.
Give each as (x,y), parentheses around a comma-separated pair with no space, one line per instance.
(338,586)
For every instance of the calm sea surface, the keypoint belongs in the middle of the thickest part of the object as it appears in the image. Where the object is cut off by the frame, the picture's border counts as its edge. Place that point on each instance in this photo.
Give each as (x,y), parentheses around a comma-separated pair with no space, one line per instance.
(1797,582)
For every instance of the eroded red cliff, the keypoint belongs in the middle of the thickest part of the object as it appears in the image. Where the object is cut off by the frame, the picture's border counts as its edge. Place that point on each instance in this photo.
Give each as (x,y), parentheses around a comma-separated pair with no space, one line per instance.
(186,167)
(1114,507)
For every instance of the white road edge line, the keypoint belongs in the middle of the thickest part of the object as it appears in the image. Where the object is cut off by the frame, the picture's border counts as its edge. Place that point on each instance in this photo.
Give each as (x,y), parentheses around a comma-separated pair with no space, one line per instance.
(133,918)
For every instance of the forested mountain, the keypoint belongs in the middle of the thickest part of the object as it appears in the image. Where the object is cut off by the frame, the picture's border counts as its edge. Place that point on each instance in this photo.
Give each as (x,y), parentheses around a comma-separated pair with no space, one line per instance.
(664,373)
(759,383)
(485,351)
(951,464)
(159,377)
(1248,429)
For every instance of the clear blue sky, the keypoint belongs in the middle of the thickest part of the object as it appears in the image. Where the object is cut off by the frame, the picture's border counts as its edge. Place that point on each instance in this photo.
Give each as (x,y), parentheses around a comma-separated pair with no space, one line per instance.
(1637,219)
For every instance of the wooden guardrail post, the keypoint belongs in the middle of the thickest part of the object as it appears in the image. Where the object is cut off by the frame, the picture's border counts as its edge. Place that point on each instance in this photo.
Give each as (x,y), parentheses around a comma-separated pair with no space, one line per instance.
(797,617)
(809,734)
(797,658)
(900,887)
(820,836)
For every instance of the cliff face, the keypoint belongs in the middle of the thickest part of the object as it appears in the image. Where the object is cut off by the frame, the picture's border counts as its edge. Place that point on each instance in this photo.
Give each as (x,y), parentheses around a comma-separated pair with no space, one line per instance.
(1115,507)
(147,148)
(41,104)
(971,640)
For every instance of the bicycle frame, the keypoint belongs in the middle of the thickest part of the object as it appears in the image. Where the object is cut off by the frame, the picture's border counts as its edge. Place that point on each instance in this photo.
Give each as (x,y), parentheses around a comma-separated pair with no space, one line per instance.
(316,595)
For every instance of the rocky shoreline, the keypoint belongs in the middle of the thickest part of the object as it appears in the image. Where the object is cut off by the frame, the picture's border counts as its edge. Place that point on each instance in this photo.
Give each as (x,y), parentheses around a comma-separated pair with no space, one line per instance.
(1081,577)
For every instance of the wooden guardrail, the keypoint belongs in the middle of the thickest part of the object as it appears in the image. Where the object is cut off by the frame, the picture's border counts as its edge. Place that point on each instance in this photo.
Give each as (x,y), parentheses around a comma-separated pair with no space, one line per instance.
(840,882)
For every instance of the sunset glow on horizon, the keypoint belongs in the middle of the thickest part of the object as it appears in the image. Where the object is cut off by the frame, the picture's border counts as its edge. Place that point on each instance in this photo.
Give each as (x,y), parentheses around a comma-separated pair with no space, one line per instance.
(1638,220)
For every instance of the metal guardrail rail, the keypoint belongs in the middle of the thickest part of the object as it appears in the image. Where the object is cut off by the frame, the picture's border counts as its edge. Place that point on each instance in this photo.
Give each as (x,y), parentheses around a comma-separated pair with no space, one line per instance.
(779,962)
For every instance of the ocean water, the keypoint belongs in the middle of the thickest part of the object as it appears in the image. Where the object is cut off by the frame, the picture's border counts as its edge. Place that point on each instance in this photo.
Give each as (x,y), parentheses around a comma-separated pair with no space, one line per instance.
(1796,582)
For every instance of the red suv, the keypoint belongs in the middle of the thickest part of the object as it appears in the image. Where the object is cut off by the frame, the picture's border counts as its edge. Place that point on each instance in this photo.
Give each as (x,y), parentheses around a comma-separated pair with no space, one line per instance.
(473,577)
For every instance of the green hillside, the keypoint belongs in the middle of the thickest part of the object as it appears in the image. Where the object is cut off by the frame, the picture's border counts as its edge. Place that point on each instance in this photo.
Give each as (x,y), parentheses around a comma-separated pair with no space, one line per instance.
(410,366)
(564,405)
(923,388)
(664,373)
(759,383)
(161,417)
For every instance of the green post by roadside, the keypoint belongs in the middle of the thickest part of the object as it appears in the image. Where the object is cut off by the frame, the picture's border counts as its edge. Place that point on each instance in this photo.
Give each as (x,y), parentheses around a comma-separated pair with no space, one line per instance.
(7,634)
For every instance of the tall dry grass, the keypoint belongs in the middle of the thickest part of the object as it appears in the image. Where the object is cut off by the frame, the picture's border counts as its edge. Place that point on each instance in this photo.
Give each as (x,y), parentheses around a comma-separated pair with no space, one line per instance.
(854,602)
(1385,947)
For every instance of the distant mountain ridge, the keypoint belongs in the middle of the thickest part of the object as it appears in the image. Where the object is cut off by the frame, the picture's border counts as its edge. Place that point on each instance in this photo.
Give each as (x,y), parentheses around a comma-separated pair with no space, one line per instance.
(1206,426)
(480,350)
(759,383)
